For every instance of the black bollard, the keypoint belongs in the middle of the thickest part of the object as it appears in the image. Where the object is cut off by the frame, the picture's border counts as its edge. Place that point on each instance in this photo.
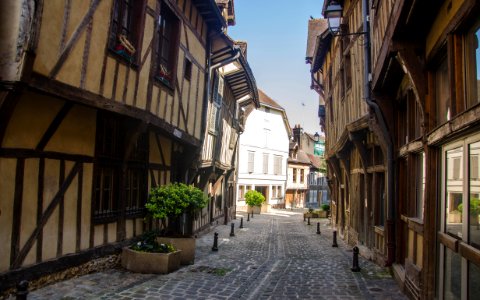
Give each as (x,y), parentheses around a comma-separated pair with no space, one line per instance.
(215,242)
(304,217)
(356,267)
(248,217)
(241,222)
(334,239)
(22,290)
(318,228)
(252,214)
(309,221)
(232,233)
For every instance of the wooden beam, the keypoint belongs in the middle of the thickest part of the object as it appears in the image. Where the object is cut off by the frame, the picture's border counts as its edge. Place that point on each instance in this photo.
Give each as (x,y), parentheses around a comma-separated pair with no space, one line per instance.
(74,39)
(54,126)
(46,216)
(17,212)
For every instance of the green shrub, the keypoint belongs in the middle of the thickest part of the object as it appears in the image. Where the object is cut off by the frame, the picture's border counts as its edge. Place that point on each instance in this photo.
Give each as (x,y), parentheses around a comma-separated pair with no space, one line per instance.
(254,198)
(474,206)
(172,200)
(325,207)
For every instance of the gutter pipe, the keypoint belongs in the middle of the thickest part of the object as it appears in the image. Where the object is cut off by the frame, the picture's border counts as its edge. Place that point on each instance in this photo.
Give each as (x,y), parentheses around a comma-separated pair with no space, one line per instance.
(386,136)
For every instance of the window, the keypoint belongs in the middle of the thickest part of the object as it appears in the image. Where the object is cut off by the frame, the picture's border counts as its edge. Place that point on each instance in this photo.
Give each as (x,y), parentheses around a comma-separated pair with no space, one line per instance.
(277,165)
(442,92)
(166,50)
(241,192)
(302,175)
(110,157)
(472,64)
(216,105)
(459,220)
(265,163)
(279,191)
(124,36)
(251,161)
(188,69)
(420,184)
(294,174)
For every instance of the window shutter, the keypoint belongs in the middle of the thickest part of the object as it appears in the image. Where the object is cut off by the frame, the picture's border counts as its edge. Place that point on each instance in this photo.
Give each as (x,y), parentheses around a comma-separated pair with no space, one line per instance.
(265,163)
(251,157)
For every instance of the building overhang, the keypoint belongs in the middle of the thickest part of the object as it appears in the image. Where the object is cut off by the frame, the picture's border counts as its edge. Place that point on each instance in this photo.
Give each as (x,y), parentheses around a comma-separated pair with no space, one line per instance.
(208,9)
(238,75)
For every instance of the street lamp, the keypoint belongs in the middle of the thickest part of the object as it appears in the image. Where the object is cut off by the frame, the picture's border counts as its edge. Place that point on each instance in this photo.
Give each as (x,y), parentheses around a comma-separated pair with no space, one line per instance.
(333,13)
(316,137)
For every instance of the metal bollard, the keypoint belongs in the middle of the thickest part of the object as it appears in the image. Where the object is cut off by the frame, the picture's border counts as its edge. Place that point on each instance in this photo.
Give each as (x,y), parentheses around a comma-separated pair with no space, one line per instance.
(252,214)
(304,218)
(309,221)
(334,239)
(241,222)
(215,242)
(22,290)
(248,217)
(232,233)
(318,228)
(356,267)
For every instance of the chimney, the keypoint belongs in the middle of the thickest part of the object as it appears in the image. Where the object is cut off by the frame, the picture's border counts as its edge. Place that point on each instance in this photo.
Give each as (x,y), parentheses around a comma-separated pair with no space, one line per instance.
(297,133)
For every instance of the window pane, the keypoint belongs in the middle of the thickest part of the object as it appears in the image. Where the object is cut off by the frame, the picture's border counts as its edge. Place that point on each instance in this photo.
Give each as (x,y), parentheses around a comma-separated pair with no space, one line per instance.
(473,66)
(453,191)
(453,269)
(473,281)
(420,184)
(442,91)
(474,188)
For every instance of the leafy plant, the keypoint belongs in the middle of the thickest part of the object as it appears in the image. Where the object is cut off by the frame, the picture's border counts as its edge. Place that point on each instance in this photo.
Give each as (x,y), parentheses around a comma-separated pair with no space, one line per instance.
(474,206)
(310,210)
(325,207)
(172,200)
(254,198)
(149,244)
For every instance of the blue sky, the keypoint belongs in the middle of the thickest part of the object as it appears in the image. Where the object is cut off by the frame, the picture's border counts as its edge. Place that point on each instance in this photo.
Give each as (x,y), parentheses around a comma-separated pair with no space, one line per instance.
(276,32)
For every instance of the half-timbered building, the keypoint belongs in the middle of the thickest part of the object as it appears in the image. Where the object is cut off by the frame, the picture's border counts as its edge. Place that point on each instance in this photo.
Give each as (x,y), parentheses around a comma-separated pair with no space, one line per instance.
(417,151)
(99,101)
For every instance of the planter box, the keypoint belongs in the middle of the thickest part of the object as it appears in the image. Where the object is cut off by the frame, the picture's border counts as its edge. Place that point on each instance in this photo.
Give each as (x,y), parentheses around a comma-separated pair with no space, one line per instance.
(255,209)
(145,262)
(186,244)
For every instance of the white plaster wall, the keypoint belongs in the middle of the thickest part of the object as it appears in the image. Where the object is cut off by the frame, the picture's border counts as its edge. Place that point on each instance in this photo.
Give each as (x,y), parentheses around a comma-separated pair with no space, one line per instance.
(264,133)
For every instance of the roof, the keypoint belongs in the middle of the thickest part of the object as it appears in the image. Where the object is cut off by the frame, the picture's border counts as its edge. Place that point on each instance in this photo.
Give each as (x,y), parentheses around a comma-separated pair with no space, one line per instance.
(315,160)
(315,28)
(210,12)
(321,48)
(242,82)
(302,158)
(266,100)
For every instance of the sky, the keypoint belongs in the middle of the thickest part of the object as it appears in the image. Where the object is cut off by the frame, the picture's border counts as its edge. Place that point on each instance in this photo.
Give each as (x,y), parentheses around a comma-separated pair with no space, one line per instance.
(276,32)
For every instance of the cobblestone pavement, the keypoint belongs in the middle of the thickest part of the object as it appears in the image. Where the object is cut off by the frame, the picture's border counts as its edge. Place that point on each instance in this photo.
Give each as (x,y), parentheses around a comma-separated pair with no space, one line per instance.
(275,256)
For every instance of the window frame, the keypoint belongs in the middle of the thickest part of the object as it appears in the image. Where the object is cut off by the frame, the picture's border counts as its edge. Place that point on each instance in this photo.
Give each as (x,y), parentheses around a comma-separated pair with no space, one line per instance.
(167,75)
(134,29)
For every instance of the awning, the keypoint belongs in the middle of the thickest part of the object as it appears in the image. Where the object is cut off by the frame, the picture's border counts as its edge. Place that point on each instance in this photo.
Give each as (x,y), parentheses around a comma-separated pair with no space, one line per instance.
(321,49)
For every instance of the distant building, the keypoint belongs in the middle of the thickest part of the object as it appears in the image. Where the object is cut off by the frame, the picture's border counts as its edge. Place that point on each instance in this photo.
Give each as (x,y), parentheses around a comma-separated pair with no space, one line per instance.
(263,154)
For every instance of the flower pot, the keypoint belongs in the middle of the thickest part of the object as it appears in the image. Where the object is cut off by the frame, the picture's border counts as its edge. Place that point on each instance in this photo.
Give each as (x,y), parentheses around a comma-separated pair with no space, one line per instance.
(146,262)
(186,244)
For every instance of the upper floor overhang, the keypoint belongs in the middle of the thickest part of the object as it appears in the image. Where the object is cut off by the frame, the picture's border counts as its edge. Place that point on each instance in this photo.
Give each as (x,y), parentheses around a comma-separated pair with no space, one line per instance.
(237,72)
(209,10)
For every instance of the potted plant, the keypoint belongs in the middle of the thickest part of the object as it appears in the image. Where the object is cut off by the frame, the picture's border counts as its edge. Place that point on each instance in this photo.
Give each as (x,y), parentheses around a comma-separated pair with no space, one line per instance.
(177,203)
(149,256)
(254,200)
(474,211)
(326,209)
(309,213)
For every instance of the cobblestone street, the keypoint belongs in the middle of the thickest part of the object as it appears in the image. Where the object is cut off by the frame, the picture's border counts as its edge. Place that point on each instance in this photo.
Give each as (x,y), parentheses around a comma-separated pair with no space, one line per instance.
(275,256)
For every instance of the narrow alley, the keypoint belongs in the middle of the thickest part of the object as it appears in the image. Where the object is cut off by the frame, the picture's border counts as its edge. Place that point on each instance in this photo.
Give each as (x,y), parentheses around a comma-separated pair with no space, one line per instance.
(275,256)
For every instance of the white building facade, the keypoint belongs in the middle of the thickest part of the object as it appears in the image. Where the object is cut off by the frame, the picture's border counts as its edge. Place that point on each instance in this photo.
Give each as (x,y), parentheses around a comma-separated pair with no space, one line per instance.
(263,154)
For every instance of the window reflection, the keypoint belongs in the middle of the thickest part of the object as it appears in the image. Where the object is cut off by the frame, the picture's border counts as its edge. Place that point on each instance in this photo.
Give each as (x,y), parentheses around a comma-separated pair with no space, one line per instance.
(453,191)
(452,283)
(473,281)
(474,188)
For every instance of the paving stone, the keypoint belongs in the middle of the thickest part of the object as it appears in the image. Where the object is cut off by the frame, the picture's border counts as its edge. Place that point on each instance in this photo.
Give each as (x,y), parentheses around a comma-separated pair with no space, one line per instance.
(276,256)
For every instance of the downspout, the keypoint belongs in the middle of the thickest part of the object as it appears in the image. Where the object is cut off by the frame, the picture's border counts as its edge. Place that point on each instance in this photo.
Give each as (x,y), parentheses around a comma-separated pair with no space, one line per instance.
(386,137)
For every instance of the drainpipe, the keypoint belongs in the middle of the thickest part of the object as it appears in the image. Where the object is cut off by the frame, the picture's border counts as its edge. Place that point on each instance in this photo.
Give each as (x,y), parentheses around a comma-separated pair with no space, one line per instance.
(386,136)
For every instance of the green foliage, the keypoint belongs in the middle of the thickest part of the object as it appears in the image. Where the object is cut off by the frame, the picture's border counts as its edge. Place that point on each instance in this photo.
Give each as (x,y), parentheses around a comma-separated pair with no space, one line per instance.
(325,207)
(474,206)
(254,198)
(310,210)
(173,199)
(150,244)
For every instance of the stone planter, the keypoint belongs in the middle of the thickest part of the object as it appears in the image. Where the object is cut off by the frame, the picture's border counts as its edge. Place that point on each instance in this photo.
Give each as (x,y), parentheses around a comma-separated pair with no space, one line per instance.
(186,244)
(308,215)
(145,262)
(255,209)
